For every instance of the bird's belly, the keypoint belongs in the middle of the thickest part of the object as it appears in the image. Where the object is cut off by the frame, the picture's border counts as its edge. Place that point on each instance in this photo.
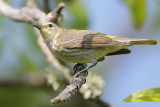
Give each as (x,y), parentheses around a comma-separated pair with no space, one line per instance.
(74,55)
(81,55)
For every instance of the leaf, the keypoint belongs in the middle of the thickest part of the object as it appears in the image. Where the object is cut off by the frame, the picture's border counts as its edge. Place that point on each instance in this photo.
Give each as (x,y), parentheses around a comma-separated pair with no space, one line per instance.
(138,12)
(151,94)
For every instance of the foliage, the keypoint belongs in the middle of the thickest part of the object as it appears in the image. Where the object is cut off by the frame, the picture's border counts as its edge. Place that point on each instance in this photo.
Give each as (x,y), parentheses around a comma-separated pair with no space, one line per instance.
(151,94)
(138,12)
(79,20)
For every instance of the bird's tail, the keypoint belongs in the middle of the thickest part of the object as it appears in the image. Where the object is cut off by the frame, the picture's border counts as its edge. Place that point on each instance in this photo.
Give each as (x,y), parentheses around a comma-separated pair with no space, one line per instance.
(143,42)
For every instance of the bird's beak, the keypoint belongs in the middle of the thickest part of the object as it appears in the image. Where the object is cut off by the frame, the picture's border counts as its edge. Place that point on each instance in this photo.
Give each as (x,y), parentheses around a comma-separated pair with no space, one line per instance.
(37,26)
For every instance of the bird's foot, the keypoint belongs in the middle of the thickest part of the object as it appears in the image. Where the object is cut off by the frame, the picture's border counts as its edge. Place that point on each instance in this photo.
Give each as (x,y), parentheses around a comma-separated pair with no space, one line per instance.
(80,72)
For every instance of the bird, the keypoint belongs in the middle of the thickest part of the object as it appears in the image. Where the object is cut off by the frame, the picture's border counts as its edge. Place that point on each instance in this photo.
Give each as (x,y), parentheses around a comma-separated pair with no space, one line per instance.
(85,46)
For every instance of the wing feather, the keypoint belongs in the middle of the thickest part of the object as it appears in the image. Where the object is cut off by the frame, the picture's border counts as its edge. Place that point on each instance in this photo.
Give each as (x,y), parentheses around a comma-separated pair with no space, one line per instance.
(86,39)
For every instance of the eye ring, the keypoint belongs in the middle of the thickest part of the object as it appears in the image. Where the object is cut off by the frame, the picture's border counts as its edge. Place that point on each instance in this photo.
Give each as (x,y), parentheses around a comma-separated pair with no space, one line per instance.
(50,25)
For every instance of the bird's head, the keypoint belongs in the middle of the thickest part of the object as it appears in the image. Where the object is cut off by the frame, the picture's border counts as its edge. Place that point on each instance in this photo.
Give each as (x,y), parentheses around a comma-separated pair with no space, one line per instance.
(49,30)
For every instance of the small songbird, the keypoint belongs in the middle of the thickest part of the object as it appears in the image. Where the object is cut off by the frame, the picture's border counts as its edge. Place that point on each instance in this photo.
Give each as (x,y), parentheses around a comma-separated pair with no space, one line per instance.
(84,46)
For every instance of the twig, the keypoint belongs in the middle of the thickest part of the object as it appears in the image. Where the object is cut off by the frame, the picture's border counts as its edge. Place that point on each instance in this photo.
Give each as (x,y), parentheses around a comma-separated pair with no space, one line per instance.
(53,16)
(73,88)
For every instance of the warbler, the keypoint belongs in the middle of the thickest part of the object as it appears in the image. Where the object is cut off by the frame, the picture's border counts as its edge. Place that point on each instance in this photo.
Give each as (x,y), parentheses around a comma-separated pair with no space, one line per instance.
(85,46)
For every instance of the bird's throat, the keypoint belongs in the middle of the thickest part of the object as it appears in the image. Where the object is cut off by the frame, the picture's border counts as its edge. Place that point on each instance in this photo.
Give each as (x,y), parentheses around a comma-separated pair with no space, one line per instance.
(46,37)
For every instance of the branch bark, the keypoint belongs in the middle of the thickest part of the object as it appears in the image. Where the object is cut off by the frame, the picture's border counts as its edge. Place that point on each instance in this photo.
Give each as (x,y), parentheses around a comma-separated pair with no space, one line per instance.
(53,16)
(73,87)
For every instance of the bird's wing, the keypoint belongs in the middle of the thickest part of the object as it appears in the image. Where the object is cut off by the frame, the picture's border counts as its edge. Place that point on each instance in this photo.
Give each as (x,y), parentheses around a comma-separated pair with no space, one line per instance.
(119,52)
(87,39)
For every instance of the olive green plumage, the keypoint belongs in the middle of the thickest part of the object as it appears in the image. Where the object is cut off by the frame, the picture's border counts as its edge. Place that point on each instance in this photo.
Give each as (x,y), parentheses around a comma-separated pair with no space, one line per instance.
(81,46)
(84,46)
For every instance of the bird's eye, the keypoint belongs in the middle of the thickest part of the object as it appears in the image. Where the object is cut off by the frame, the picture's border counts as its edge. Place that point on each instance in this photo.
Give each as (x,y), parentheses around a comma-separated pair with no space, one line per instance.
(50,25)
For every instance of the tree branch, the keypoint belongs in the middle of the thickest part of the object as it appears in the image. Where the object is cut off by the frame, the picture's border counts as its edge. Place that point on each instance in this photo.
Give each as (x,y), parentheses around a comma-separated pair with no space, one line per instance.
(53,16)
(73,87)
(26,14)
(10,12)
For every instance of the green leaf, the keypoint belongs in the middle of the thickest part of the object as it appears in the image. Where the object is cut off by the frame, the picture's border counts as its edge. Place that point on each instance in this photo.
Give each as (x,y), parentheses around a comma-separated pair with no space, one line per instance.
(151,94)
(138,12)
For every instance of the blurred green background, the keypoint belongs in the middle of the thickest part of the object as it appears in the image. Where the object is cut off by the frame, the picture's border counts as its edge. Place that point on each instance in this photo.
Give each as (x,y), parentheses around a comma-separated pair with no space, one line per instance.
(20,56)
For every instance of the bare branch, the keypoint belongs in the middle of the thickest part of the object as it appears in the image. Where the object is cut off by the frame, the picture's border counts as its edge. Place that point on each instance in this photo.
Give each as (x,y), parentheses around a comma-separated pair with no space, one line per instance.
(10,12)
(31,3)
(53,16)
(26,14)
(73,88)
